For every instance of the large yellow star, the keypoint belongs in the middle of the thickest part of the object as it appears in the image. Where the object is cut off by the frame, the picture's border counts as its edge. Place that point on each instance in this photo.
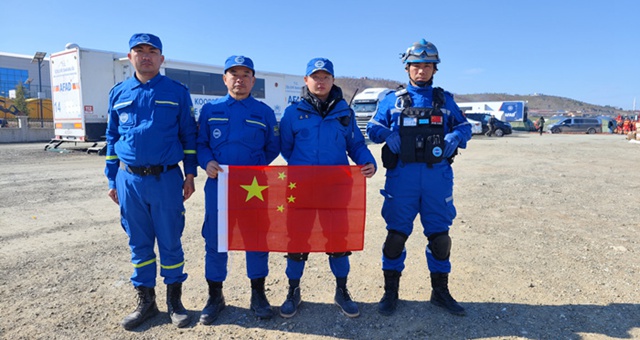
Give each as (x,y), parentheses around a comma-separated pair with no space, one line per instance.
(254,190)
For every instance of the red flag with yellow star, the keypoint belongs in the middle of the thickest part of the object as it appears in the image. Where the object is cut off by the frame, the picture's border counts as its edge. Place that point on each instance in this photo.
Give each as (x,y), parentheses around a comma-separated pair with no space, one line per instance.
(294,209)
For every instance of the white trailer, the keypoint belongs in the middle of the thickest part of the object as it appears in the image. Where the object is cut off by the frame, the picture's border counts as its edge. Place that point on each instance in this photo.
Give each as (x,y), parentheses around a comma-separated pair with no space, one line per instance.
(81,79)
(80,83)
(205,84)
(506,111)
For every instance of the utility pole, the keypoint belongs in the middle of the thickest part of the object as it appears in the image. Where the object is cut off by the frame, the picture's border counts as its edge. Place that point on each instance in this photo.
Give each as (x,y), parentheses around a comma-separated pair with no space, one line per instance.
(39,57)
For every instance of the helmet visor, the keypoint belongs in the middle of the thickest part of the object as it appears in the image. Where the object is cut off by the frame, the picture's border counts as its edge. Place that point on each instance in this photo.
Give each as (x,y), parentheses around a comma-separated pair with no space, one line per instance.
(421,53)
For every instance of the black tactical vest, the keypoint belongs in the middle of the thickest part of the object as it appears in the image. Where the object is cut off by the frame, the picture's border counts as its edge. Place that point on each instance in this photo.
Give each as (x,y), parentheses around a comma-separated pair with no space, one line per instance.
(422,130)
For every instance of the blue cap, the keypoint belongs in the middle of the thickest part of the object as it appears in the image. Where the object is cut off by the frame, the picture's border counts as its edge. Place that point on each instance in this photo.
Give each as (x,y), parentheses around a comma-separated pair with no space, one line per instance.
(319,64)
(145,38)
(238,60)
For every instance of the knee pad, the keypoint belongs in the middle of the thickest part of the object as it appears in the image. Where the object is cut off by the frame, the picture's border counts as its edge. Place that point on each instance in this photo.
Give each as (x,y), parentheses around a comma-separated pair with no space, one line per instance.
(298,257)
(394,244)
(336,255)
(440,245)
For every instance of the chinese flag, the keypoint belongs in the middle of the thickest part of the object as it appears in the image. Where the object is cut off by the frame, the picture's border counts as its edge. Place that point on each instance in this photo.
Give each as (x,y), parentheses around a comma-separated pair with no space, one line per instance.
(293,209)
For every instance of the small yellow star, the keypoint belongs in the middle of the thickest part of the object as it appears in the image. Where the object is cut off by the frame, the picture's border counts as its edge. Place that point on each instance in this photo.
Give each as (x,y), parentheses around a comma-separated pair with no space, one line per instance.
(254,190)
(291,199)
(280,208)
(292,185)
(281,176)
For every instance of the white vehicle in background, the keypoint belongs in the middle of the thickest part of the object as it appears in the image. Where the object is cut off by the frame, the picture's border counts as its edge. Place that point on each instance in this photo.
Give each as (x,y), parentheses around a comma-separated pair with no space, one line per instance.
(476,126)
(507,111)
(365,104)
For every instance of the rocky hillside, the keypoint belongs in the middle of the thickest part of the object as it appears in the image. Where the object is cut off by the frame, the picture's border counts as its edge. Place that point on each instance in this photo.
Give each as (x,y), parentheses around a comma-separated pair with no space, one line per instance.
(538,103)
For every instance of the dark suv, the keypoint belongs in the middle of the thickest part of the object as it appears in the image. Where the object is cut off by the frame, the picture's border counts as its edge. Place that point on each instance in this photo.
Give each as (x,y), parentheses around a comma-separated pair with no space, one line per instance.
(501,128)
(574,124)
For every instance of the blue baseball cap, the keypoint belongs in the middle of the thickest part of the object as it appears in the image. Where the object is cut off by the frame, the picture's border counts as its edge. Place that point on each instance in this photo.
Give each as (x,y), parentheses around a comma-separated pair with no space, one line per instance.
(145,38)
(319,64)
(238,60)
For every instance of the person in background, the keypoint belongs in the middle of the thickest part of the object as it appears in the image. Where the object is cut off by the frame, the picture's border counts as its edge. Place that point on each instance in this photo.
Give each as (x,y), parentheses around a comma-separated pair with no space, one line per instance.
(541,125)
(321,129)
(611,125)
(151,129)
(492,126)
(422,127)
(236,129)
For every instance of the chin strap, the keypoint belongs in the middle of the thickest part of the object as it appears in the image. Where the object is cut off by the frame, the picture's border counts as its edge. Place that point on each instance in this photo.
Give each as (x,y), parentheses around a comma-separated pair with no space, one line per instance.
(422,83)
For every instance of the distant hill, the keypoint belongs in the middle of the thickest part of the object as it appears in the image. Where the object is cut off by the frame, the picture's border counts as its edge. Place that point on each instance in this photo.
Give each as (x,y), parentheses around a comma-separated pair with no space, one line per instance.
(539,104)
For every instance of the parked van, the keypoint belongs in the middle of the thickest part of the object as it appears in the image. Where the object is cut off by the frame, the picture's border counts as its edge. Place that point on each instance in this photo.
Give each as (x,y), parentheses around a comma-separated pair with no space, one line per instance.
(576,124)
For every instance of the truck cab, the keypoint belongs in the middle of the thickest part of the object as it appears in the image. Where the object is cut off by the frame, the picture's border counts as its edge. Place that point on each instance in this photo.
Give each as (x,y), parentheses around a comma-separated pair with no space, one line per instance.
(365,104)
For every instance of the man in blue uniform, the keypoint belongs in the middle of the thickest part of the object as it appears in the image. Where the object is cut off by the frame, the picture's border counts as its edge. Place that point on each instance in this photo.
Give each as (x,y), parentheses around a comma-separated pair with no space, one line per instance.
(422,127)
(151,129)
(321,130)
(236,129)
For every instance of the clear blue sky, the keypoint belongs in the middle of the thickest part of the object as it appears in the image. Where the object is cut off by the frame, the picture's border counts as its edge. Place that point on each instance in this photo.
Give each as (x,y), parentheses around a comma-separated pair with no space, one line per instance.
(581,49)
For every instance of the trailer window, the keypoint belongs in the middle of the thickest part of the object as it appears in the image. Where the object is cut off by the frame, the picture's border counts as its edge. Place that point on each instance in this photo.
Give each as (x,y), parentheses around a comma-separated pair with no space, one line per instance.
(258,90)
(364,107)
(209,83)
(181,76)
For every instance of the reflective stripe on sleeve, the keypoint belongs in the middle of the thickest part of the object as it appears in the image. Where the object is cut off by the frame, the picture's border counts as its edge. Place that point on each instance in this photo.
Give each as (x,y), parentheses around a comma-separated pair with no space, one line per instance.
(122,104)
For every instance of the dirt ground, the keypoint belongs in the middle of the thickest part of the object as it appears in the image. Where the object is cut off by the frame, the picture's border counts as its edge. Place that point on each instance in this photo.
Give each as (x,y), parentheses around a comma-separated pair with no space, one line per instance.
(546,246)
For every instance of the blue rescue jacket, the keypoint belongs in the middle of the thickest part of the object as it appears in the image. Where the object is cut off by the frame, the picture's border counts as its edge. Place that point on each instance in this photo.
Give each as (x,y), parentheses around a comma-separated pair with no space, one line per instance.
(150,124)
(309,139)
(233,132)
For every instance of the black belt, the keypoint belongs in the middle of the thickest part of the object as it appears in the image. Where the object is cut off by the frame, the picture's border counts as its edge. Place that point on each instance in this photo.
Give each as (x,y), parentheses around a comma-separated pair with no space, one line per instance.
(148,170)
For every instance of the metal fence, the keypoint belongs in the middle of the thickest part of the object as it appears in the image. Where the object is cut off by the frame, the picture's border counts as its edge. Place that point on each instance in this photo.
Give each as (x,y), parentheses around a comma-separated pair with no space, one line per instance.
(32,123)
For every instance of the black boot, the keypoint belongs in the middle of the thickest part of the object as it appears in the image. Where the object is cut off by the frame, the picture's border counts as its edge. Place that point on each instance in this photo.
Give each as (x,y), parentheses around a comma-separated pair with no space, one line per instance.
(259,303)
(440,295)
(343,299)
(215,304)
(177,312)
(388,303)
(147,308)
(289,307)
